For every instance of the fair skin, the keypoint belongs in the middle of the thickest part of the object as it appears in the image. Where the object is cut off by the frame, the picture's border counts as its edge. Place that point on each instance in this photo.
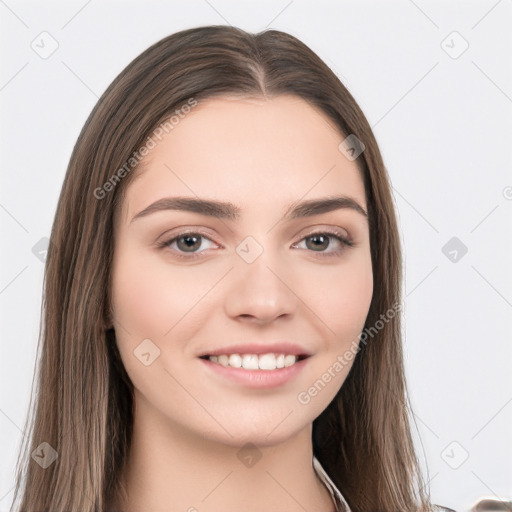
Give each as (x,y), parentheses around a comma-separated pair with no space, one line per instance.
(190,422)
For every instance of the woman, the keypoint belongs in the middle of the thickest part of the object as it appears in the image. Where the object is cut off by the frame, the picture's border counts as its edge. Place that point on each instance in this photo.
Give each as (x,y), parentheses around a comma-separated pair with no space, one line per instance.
(222,295)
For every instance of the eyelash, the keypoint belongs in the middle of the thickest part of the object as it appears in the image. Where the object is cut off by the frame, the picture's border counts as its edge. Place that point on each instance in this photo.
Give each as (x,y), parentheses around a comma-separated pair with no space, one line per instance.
(344,241)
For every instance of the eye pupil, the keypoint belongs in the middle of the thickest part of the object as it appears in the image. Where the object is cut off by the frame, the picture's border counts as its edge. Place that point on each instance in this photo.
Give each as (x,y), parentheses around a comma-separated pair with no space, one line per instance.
(189,247)
(322,245)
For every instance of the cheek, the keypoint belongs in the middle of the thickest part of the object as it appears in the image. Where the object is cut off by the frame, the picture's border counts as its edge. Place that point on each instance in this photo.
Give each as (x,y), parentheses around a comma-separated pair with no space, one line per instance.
(136,301)
(341,299)
(151,300)
(149,297)
(342,296)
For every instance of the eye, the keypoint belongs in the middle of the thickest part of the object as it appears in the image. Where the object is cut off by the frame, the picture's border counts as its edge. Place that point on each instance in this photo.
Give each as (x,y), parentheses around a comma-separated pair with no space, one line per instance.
(186,243)
(319,241)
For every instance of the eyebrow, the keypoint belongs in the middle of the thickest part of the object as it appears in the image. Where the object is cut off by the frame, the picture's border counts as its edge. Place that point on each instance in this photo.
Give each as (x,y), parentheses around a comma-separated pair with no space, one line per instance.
(229,211)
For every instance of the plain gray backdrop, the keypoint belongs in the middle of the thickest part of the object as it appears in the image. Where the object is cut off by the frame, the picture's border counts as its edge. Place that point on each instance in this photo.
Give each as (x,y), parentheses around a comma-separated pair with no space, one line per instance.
(434,80)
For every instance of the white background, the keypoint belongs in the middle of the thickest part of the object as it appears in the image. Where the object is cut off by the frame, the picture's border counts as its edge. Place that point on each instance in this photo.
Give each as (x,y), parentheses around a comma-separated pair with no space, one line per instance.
(444,129)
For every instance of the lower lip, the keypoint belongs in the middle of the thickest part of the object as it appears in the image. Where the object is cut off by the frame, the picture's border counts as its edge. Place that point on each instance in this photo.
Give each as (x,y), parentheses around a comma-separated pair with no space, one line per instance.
(260,379)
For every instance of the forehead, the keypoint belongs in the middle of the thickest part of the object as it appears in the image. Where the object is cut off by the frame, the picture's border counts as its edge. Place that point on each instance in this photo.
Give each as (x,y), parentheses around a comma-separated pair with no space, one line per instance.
(251,151)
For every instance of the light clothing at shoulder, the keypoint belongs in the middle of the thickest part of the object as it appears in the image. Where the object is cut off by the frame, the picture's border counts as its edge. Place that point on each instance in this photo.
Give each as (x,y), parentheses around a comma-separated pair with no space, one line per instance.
(339,501)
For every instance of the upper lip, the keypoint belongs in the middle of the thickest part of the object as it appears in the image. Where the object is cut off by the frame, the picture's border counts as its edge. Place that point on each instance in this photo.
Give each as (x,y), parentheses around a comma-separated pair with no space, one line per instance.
(259,348)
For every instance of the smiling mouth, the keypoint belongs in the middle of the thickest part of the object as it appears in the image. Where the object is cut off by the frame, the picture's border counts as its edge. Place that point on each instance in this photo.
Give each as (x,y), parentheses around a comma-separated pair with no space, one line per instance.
(270,361)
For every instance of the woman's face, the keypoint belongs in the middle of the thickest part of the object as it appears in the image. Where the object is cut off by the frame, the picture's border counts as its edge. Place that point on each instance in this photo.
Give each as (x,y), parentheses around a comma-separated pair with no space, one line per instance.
(243,276)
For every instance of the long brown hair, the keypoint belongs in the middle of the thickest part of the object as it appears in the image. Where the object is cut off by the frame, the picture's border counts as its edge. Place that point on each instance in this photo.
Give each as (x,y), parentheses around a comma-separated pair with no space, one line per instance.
(83,406)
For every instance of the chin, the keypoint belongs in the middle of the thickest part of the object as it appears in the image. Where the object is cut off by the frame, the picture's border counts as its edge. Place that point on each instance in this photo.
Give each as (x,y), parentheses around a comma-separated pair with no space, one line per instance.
(261,433)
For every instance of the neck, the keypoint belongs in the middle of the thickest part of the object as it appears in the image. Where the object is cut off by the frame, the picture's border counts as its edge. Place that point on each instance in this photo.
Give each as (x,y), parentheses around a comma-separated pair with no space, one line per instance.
(171,469)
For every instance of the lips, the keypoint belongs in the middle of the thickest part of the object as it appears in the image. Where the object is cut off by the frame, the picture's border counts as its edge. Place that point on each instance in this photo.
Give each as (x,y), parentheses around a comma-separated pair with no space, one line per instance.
(258,349)
(263,376)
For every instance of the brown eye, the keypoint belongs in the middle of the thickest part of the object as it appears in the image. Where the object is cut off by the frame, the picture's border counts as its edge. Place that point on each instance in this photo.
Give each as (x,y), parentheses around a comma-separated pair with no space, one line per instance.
(319,241)
(189,242)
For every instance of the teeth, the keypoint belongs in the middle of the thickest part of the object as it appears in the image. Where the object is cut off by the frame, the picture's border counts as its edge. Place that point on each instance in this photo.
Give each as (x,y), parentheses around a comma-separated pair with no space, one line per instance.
(250,362)
(267,362)
(255,362)
(289,360)
(235,361)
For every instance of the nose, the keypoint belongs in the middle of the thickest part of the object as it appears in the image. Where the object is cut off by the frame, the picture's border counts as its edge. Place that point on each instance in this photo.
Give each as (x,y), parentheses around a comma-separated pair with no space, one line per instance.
(260,292)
